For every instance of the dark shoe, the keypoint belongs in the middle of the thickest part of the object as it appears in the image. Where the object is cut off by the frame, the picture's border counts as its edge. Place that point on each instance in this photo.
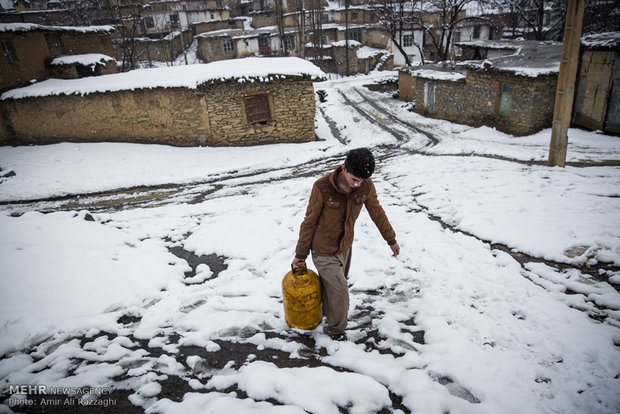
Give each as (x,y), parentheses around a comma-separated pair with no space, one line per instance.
(338,337)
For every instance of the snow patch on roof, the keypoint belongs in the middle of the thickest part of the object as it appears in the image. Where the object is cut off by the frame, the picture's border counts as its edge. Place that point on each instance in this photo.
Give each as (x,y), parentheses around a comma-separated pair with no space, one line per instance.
(343,43)
(250,69)
(366,52)
(438,75)
(30,27)
(607,39)
(89,59)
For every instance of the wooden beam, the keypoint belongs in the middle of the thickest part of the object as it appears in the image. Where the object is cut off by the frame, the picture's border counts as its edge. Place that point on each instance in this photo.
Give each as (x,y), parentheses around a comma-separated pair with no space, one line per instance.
(565,93)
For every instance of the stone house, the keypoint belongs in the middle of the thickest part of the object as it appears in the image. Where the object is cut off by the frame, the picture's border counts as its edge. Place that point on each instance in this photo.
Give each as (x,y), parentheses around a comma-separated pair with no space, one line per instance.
(203,27)
(597,97)
(480,50)
(239,43)
(228,103)
(164,48)
(515,94)
(169,15)
(30,48)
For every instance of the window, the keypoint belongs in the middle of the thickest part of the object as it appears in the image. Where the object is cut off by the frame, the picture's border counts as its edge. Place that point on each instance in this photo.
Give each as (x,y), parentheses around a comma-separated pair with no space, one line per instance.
(149,23)
(174,20)
(263,42)
(323,40)
(257,108)
(457,36)
(429,97)
(228,45)
(54,45)
(355,34)
(324,18)
(9,52)
(407,40)
(354,16)
(477,32)
(289,42)
(505,102)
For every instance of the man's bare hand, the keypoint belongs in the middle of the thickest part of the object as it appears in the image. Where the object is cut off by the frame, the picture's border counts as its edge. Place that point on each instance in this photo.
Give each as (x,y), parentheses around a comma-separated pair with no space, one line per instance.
(395,249)
(297,263)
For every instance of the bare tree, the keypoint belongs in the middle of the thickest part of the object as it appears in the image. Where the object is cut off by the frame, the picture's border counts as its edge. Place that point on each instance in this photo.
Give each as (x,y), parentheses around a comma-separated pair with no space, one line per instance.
(397,17)
(279,15)
(127,18)
(440,21)
(601,16)
(300,24)
(536,19)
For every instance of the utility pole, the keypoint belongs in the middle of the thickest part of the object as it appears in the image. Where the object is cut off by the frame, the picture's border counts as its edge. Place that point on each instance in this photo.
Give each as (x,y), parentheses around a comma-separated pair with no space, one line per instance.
(565,93)
(346,35)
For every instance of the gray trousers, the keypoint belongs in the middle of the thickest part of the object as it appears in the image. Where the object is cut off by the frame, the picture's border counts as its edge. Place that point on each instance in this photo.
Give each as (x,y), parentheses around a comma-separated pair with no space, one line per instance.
(333,272)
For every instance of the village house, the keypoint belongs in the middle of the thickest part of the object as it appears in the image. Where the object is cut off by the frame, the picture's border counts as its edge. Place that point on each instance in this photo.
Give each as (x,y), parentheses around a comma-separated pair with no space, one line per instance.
(514,94)
(228,103)
(33,52)
(163,17)
(597,97)
(164,48)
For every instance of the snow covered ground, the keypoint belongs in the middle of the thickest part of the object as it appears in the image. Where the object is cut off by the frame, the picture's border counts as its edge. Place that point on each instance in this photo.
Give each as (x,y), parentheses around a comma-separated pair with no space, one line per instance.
(504,298)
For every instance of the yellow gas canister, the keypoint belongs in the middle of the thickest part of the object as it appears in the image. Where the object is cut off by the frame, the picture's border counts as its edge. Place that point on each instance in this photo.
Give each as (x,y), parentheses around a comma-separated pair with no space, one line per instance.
(301,294)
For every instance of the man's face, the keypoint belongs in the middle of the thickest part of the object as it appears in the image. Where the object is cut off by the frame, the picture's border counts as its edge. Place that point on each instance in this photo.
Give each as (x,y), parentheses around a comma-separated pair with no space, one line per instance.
(352,181)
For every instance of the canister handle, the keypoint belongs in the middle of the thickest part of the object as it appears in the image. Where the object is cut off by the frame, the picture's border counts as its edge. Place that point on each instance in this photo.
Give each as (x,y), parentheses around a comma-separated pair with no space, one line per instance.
(301,270)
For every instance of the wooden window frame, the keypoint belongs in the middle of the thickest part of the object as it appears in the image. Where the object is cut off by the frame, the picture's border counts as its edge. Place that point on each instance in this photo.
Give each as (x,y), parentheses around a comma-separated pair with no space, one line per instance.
(408,40)
(228,45)
(505,100)
(9,52)
(257,108)
(149,22)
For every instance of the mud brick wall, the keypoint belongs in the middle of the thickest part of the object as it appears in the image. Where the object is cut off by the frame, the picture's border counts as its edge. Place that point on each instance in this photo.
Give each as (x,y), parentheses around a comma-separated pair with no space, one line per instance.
(476,100)
(202,27)
(81,43)
(211,115)
(32,53)
(165,50)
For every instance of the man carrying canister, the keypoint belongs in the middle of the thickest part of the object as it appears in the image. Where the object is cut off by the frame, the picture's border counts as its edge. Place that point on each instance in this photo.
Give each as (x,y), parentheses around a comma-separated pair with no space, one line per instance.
(335,203)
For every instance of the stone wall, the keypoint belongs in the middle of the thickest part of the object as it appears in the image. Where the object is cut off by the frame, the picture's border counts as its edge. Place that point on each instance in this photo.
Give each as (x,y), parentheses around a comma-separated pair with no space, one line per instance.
(212,48)
(211,115)
(475,100)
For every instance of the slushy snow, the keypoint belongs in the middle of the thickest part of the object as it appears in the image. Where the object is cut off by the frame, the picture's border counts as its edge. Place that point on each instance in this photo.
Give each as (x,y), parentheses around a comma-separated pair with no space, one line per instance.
(92,296)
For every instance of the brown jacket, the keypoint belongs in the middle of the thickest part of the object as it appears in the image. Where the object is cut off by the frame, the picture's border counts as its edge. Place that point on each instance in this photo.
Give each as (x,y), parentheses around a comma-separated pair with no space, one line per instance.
(331,214)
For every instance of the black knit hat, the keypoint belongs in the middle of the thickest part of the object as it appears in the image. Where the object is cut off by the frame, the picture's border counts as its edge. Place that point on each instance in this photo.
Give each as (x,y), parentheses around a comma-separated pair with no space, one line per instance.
(360,162)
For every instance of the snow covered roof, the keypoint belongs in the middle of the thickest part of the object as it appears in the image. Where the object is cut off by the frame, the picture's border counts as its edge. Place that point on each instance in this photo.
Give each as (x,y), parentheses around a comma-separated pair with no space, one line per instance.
(30,27)
(252,69)
(489,44)
(603,40)
(531,58)
(245,33)
(89,59)
(438,75)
